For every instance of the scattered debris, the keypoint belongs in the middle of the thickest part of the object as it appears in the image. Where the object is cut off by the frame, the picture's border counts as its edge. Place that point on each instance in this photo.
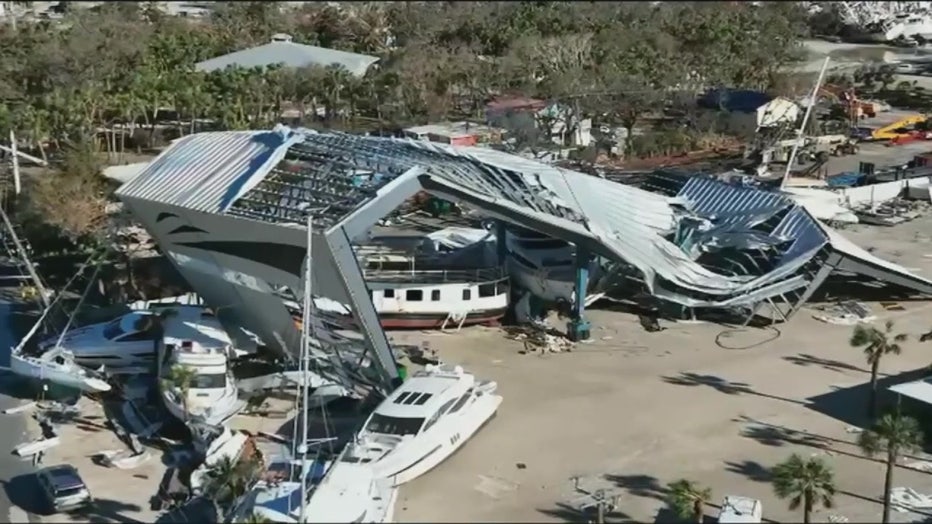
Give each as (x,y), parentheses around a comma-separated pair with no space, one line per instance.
(892,306)
(846,313)
(650,323)
(907,499)
(853,429)
(920,465)
(27,449)
(121,459)
(19,409)
(521,465)
(538,340)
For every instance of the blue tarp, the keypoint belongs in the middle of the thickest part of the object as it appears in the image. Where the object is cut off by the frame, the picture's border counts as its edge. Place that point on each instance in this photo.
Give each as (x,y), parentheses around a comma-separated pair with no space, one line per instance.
(734,100)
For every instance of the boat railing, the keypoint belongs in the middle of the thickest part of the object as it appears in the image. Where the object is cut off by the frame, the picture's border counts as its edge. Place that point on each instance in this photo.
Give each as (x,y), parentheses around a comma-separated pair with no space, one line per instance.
(437,276)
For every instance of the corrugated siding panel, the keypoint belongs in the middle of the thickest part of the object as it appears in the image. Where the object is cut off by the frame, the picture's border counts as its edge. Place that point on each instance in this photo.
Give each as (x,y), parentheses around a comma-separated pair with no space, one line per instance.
(712,197)
(199,171)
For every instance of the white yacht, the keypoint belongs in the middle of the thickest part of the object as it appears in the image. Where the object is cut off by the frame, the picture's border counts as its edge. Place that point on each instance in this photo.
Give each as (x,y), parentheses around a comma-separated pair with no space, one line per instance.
(546,266)
(351,494)
(277,494)
(129,340)
(212,396)
(419,425)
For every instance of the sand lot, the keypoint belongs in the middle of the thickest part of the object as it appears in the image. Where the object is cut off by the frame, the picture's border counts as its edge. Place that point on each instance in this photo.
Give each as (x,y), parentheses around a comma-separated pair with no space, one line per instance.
(632,411)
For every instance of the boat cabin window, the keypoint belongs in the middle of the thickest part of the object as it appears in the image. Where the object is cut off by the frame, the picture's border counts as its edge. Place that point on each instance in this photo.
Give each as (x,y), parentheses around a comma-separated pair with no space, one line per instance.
(113,329)
(486,290)
(461,402)
(414,295)
(388,293)
(394,425)
(209,381)
(136,337)
(436,416)
(435,295)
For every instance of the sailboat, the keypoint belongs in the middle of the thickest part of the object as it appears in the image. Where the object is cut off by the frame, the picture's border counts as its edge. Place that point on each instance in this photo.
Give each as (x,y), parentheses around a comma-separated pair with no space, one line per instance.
(55,365)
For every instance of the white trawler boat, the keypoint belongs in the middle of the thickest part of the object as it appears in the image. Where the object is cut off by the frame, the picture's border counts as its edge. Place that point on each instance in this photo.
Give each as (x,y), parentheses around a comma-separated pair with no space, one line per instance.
(419,425)
(212,396)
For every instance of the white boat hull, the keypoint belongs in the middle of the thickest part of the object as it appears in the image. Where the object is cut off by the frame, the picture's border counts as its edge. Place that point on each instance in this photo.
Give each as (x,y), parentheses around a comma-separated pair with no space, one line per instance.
(215,415)
(483,409)
(67,374)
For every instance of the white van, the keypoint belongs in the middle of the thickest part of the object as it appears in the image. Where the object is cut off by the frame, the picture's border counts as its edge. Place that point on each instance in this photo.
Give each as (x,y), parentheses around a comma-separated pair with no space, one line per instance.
(740,510)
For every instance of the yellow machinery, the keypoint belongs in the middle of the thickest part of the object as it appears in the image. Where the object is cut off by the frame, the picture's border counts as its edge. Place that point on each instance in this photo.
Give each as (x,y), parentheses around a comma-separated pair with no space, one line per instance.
(897,128)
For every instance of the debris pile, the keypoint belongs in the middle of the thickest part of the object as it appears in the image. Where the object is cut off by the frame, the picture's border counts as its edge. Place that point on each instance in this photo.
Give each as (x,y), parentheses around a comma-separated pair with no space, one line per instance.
(847,313)
(891,212)
(540,341)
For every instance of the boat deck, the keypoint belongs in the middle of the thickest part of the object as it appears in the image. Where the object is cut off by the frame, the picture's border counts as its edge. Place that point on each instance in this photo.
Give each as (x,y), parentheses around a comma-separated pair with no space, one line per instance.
(436,276)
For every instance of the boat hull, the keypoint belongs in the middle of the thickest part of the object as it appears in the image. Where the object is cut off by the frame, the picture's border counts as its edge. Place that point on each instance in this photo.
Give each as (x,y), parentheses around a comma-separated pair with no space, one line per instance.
(436,320)
(482,411)
(56,373)
(216,415)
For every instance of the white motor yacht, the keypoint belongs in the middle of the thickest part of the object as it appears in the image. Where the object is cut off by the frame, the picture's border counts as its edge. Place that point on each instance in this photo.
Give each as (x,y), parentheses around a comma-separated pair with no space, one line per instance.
(128,340)
(419,425)
(212,396)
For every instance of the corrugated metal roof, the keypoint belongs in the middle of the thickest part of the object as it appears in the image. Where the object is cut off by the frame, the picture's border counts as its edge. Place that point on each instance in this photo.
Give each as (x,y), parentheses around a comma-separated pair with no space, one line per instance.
(207,171)
(290,54)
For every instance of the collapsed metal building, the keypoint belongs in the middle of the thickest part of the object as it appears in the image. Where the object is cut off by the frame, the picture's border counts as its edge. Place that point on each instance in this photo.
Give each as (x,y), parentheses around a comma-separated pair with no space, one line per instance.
(229,209)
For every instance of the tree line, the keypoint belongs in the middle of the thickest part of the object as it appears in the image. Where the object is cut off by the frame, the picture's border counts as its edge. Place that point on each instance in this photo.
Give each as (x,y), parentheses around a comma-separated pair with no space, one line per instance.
(100,80)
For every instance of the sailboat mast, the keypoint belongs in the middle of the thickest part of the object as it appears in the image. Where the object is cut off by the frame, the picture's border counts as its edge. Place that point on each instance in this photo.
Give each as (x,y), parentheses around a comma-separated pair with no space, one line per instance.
(305,365)
(801,132)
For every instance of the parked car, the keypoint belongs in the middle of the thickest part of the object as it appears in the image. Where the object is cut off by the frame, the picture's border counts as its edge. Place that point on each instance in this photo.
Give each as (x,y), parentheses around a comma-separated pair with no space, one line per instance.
(63,487)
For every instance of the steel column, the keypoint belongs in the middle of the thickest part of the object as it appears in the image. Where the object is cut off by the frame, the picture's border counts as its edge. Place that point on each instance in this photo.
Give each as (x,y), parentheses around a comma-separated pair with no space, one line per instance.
(578,327)
(364,312)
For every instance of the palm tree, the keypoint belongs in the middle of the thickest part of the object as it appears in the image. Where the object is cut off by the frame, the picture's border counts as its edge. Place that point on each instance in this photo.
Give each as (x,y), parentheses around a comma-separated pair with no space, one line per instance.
(893,434)
(688,499)
(805,482)
(180,378)
(876,344)
(227,480)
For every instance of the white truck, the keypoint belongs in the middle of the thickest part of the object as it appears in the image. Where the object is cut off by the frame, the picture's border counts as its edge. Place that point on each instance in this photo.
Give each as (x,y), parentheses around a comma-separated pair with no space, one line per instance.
(740,510)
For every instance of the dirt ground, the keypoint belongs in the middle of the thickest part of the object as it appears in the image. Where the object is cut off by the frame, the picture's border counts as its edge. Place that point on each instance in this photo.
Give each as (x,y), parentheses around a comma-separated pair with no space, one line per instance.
(632,411)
